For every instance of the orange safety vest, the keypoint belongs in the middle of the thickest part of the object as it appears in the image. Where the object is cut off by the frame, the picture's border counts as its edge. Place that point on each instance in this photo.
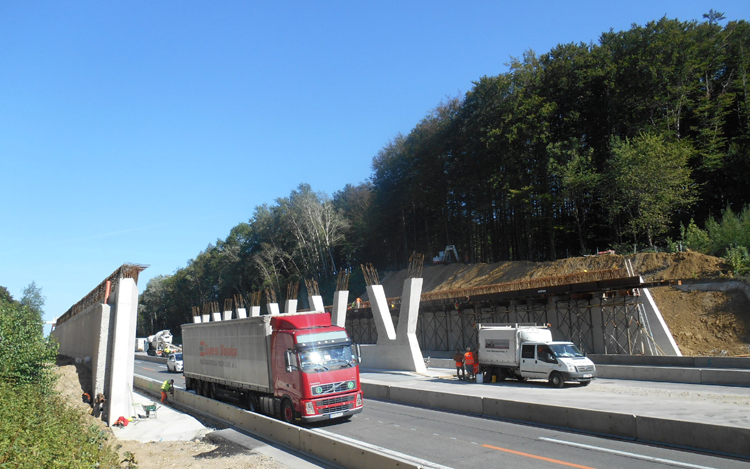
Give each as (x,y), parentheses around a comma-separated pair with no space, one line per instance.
(476,368)
(459,360)
(469,358)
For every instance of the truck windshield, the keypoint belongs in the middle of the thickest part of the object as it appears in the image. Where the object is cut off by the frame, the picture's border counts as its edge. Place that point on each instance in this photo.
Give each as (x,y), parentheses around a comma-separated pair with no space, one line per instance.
(565,350)
(324,359)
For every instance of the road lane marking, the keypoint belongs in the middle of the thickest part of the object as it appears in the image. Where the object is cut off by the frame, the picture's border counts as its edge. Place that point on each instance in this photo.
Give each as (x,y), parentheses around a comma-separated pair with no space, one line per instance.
(627,454)
(149,369)
(423,462)
(534,456)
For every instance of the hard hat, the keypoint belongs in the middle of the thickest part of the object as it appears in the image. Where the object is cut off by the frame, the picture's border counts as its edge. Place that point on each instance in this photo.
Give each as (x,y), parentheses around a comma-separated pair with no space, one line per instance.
(468,349)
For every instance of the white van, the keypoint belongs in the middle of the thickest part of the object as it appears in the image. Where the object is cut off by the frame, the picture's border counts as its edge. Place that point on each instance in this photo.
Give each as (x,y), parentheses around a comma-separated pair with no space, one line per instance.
(524,351)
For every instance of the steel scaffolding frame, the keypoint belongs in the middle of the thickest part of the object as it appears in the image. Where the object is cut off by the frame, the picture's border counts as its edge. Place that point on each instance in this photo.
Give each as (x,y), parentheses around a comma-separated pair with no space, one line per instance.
(575,322)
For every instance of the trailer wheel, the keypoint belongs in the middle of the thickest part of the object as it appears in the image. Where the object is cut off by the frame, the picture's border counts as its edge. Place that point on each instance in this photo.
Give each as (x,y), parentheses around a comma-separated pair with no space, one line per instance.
(556,380)
(199,387)
(212,390)
(251,403)
(287,411)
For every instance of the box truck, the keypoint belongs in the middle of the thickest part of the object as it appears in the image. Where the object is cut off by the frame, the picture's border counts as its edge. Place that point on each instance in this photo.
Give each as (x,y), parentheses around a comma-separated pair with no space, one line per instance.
(289,366)
(524,351)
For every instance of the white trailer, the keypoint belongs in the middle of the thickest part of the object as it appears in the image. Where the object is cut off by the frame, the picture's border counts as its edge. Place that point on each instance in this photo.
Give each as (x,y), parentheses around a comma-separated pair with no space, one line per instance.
(524,351)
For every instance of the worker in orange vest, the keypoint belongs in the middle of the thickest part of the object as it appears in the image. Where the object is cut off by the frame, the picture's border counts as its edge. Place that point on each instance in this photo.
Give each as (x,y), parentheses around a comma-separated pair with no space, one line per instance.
(459,358)
(468,364)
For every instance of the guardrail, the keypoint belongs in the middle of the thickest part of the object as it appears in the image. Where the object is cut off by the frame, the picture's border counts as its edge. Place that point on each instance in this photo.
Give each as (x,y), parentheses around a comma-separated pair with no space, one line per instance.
(323,447)
(732,441)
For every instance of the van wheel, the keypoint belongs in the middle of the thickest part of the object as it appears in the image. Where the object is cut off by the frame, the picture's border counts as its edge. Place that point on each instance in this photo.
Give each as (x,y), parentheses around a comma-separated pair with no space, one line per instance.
(556,380)
(287,411)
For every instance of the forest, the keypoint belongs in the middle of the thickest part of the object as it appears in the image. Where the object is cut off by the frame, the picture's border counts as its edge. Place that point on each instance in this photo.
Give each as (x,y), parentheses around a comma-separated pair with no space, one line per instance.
(631,143)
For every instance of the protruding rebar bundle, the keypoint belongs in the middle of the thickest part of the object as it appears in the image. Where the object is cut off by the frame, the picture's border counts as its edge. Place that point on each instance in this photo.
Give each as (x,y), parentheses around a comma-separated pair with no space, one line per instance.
(312,287)
(416,263)
(270,296)
(292,290)
(371,274)
(342,282)
(239,302)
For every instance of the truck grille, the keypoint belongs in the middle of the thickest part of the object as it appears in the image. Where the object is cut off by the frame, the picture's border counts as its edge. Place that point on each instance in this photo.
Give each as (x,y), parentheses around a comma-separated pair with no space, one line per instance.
(335,400)
(338,408)
(331,388)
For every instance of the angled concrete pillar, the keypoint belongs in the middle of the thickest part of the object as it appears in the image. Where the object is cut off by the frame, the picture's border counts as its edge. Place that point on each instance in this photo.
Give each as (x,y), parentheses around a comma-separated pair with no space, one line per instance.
(316,303)
(381,313)
(197,319)
(99,359)
(205,317)
(273,309)
(241,313)
(254,311)
(290,306)
(659,329)
(227,315)
(402,352)
(340,303)
(216,316)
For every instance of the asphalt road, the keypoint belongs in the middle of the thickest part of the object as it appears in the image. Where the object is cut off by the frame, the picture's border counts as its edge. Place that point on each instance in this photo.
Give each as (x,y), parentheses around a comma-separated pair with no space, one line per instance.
(471,442)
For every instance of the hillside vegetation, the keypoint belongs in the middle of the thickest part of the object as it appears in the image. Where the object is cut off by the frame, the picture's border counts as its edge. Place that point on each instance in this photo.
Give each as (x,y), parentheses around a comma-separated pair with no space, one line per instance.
(635,142)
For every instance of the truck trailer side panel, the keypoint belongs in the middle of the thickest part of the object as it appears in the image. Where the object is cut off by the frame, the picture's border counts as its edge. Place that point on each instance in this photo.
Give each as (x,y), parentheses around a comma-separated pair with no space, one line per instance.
(231,352)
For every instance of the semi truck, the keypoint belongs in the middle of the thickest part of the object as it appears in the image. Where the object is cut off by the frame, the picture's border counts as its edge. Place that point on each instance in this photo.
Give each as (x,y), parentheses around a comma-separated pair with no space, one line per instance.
(294,366)
(527,351)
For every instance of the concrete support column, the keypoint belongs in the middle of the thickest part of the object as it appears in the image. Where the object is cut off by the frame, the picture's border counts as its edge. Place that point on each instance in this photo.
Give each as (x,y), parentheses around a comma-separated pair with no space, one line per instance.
(241,313)
(99,358)
(217,316)
(227,315)
(340,303)
(273,309)
(205,317)
(196,320)
(381,314)
(254,311)
(122,365)
(316,303)
(659,329)
(290,306)
(407,322)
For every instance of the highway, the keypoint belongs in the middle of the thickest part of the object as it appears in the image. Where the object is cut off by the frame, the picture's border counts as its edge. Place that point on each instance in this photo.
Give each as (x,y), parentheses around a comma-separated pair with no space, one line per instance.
(465,441)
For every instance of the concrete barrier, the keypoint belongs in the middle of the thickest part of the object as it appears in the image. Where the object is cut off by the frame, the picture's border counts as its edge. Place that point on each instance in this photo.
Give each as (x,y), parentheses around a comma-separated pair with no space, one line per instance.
(376,391)
(331,449)
(650,373)
(672,361)
(718,438)
(437,400)
(149,358)
(606,423)
(726,377)
(346,454)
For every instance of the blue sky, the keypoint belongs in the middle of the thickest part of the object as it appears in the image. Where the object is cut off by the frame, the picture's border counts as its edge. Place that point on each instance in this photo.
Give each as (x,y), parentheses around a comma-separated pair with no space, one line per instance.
(143,131)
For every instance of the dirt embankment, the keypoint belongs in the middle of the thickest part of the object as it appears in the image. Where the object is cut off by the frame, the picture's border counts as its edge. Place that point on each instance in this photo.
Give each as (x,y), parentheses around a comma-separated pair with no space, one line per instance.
(211,452)
(702,323)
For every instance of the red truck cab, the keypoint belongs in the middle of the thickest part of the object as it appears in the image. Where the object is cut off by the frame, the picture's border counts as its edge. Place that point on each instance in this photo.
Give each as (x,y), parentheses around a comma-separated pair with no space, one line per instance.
(315,369)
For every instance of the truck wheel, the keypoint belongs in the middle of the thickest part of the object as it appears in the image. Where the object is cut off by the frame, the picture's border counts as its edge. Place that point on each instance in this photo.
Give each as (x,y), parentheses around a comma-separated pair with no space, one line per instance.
(251,403)
(500,375)
(287,411)
(556,380)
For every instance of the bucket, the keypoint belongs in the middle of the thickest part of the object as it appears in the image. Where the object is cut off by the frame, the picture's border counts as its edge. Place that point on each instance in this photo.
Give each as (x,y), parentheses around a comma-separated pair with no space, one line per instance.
(494,379)
(480,378)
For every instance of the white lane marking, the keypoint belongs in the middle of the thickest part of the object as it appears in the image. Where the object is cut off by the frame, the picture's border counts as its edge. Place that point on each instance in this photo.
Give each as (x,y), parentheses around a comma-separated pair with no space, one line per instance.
(162,366)
(626,454)
(406,457)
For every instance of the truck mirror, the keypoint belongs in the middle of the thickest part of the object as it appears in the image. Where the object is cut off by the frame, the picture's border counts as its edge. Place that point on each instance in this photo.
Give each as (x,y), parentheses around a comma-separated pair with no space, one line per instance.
(289,361)
(359,353)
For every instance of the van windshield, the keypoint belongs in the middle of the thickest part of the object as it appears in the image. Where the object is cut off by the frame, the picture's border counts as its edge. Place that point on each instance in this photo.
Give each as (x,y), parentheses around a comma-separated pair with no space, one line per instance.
(565,350)
(325,359)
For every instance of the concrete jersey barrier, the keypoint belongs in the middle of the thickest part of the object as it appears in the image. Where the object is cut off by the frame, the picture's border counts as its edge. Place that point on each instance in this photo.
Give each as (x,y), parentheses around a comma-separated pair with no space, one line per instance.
(327,448)
(722,439)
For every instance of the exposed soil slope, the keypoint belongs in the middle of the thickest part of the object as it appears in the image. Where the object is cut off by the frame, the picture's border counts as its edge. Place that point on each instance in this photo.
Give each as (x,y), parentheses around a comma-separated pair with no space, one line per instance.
(702,323)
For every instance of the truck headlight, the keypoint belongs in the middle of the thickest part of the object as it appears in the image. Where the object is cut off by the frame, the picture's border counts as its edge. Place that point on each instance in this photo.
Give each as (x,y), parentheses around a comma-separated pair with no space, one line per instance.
(359,400)
(309,409)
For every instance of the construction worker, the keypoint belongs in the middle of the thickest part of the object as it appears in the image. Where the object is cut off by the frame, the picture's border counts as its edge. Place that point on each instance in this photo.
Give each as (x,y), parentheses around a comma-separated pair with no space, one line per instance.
(167,387)
(459,358)
(468,364)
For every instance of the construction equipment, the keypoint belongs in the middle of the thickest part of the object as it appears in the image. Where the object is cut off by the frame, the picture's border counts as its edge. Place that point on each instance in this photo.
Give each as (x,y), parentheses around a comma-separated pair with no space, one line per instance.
(161,343)
(444,257)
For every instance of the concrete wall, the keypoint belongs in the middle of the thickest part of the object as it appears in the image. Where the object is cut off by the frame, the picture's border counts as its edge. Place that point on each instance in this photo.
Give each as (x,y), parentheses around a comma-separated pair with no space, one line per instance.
(105,334)
(86,336)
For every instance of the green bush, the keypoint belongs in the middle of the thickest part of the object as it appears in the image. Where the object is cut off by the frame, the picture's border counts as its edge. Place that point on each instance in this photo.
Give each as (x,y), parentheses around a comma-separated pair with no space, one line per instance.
(738,260)
(39,430)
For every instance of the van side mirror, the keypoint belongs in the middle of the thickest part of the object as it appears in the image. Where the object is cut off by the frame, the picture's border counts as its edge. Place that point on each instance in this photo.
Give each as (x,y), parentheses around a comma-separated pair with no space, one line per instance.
(289,361)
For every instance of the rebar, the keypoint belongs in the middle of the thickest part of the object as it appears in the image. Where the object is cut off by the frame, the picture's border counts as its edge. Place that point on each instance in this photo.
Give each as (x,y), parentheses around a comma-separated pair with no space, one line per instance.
(292,290)
(416,263)
(371,274)
(312,287)
(342,281)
